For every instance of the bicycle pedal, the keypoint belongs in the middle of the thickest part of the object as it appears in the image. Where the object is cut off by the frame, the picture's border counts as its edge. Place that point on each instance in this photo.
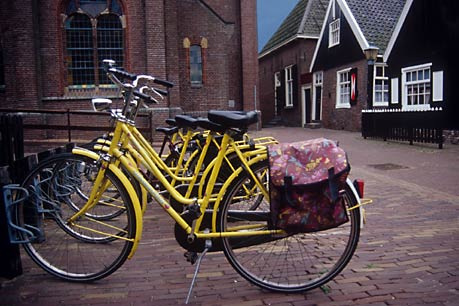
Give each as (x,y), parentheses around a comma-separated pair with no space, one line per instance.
(191,257)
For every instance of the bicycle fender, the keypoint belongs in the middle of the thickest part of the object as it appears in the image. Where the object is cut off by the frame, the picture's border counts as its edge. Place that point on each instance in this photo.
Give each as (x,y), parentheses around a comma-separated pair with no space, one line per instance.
(129,188)
(85,152)
(356,195)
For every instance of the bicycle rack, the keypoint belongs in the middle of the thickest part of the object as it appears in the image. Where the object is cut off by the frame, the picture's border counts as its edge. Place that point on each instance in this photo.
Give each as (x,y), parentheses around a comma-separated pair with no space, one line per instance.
(37,204)
(28,232)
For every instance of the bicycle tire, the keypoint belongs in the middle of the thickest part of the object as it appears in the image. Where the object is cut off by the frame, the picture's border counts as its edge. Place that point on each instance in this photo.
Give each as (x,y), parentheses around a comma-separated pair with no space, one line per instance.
(292,263)
(82,251)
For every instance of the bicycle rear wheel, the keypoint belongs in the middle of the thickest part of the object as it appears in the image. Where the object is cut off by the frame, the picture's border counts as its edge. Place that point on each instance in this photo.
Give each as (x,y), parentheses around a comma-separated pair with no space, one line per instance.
(291,263)
(86,249)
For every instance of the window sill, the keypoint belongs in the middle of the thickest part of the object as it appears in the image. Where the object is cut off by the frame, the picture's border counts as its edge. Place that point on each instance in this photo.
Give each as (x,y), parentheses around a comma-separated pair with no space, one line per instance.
(288,107)
(416,108)
(343,106)
(102,86)
(380,103)
(90,91)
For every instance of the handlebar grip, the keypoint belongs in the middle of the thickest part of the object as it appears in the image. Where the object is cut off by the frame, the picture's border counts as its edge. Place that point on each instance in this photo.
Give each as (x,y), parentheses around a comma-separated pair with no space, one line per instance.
(122,74)
(144,97)
(164,83)
(126,75)
(162,91)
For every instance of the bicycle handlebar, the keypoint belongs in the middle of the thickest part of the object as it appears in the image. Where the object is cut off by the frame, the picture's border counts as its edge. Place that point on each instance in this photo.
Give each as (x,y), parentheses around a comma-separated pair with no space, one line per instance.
(133,77)
(164,83)
(161,91)
(121,74)
(140,86)
(144,97)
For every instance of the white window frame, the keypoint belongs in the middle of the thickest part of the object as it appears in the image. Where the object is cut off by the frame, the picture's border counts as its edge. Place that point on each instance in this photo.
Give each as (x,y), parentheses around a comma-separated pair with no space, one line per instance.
(384,81)
(414,84)
(318,80)
(346,85)
(334,33)
(277,81)
(289,86)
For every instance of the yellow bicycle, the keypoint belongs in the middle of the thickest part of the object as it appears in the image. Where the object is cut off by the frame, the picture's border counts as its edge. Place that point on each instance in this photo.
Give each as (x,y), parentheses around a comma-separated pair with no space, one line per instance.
(233,217)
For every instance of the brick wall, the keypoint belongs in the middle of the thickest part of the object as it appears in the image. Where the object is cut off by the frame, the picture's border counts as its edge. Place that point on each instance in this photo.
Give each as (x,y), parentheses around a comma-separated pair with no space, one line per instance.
(344,118)
(32,38)
(266,89)
(221,64)
(228,10)
(249,54)
(298,52)
(17,28)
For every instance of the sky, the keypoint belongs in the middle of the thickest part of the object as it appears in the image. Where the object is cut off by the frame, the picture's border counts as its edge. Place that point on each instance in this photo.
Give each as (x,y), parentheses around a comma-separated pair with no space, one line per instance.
(270,14)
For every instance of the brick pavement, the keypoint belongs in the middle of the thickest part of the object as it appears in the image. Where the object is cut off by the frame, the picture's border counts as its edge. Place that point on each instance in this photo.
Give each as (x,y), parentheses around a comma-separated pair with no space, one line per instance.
(407,254)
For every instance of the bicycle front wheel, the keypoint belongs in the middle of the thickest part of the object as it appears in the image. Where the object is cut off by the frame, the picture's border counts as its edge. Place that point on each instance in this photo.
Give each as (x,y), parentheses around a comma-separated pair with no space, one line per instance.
(85,249)
(289,263)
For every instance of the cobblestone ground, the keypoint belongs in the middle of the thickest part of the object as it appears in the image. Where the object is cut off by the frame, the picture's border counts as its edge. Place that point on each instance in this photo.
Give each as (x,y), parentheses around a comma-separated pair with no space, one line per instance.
(407,255)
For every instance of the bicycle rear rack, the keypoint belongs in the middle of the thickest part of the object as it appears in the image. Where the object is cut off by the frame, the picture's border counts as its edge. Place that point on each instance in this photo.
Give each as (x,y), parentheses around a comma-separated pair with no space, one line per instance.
(13,195)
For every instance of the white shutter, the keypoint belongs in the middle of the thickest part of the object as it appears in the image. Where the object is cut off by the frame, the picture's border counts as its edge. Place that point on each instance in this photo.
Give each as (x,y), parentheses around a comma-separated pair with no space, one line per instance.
(394,90)
(437,86)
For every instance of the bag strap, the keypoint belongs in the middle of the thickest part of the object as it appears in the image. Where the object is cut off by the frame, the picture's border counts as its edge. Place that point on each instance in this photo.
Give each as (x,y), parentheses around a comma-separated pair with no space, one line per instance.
(333,184)
(288,183)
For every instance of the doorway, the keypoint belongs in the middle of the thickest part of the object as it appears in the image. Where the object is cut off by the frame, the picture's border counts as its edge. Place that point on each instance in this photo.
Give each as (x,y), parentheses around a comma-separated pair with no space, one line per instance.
(307,107)
(317,97)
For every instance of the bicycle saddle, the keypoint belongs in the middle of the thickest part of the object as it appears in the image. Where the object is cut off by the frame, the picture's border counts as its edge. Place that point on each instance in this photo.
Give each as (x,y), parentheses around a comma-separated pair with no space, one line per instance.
(233,119)
(209,125)
(168,130)
(186,121)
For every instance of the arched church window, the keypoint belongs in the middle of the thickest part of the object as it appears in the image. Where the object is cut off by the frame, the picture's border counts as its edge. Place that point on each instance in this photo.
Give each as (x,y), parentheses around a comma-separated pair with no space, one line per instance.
(94,31)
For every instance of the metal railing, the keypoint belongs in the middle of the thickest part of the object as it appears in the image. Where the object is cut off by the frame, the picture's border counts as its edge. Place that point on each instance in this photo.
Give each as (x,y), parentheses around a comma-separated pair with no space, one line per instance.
(424,126)
(69,124)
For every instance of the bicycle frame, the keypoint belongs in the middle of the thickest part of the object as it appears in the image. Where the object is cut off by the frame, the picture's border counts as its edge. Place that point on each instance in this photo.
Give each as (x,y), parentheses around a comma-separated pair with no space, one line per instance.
(143,154)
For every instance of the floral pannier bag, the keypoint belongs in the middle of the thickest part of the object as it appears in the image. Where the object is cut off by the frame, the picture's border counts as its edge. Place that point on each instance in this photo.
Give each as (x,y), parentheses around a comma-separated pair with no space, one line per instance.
(305,182)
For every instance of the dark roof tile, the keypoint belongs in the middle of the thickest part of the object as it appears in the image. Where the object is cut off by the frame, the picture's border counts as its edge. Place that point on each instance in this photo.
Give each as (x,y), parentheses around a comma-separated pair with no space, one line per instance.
(377,19)
(306,18)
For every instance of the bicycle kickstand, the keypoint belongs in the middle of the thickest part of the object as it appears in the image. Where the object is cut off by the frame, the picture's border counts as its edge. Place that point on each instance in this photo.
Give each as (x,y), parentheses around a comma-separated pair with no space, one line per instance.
(208,245)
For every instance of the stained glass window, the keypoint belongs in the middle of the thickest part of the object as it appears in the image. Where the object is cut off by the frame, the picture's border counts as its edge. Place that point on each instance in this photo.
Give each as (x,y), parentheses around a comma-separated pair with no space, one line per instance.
(93,32)
(195,64)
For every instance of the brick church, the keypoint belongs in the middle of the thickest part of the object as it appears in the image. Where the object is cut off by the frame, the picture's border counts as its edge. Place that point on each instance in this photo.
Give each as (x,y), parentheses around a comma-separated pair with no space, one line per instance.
(51,52)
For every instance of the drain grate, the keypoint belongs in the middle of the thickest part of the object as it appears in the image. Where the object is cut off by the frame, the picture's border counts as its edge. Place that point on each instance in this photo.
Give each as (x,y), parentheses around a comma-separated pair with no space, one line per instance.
(388,166)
